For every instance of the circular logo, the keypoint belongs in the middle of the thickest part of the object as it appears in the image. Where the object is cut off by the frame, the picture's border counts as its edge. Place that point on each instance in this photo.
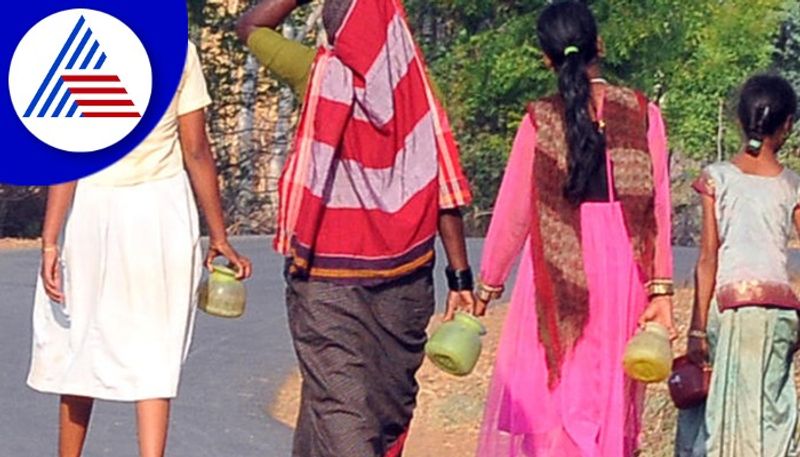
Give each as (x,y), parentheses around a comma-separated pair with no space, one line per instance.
(80,80)
(140,56)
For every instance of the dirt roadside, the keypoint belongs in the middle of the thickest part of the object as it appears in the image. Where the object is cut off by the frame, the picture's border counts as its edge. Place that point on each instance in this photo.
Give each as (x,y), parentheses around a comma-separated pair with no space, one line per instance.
(447,420)
(18,243)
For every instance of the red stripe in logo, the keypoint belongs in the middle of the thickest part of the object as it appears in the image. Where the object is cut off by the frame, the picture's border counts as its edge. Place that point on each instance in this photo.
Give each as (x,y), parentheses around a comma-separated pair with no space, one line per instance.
(98,90)
(90,78)
(129,114)
(104,102)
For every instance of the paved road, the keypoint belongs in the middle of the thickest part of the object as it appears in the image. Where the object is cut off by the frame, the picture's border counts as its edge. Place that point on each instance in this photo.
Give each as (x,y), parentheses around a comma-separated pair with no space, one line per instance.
(233,371)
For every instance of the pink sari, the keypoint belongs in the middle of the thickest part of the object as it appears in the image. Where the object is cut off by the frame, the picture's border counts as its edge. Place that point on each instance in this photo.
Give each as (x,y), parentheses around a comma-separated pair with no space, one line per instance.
(595,410)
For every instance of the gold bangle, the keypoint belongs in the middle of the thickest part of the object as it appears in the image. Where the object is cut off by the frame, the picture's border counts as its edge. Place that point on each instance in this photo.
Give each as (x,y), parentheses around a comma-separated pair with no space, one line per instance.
(50,248)
(489,293)
(489,288)
(660,281)
(485,296)
(660,287)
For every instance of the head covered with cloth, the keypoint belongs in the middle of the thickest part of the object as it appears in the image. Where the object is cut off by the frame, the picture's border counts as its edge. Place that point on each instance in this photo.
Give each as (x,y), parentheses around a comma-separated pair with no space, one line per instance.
(373,154)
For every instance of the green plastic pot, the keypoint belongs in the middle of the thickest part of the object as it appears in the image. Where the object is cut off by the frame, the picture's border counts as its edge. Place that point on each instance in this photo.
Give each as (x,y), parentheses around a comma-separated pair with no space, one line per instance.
(222,295)
(456,345)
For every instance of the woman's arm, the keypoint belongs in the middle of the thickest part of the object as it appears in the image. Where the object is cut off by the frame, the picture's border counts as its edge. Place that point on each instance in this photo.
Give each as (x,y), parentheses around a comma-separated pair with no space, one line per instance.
(202,171)
(287,59)
(512,214)
(660,307)
(657,141)
(797,219)
(705,281)
(265,14)
(59,199)
(451,230)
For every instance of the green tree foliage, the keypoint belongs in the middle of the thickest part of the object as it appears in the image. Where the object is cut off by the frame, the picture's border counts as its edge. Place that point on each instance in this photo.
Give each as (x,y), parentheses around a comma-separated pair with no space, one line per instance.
(729,41)
(689,56)
(485,58)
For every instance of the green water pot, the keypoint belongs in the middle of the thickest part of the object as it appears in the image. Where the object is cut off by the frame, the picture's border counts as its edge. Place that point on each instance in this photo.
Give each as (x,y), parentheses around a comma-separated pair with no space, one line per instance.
(648,355)
(456,345)
(222,295)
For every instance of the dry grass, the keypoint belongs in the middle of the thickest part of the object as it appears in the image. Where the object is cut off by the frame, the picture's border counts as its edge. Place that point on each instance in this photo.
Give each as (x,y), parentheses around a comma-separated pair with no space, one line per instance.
(18,243)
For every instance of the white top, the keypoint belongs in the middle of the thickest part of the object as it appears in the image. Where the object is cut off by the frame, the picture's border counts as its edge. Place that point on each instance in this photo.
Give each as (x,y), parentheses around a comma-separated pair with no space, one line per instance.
(160,156)
(754,221)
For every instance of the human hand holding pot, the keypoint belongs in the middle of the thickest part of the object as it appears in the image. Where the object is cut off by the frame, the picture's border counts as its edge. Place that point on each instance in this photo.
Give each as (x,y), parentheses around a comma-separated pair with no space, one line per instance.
(223,248)
(660,310)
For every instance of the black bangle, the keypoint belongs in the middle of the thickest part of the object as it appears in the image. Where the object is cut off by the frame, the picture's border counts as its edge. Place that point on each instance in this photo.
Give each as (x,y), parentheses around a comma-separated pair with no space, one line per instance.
(459,280)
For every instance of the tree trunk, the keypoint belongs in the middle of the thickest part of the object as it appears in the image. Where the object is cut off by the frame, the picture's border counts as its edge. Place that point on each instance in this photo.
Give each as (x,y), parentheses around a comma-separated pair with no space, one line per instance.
(720,130)
(247,117)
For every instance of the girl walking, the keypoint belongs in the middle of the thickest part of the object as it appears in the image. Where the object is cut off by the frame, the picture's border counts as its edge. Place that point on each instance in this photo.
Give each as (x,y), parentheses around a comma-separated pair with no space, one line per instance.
(586,192)
(745,320)
(117,324)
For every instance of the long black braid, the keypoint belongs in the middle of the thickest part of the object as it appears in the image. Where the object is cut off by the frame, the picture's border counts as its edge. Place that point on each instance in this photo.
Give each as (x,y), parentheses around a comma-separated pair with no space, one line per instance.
(568,35)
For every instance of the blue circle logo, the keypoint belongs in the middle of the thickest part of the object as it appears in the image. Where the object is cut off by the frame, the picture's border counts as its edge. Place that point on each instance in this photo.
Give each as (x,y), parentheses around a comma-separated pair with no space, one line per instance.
(86,84)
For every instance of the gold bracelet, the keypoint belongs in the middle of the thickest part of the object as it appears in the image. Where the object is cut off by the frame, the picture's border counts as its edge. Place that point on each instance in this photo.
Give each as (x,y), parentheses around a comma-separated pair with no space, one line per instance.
(489,288)
(50,248)
(660,287)
(489,293)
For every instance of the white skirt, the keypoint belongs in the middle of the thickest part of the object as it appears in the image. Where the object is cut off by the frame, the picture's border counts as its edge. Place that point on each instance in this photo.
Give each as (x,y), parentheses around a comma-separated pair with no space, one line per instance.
(132,263)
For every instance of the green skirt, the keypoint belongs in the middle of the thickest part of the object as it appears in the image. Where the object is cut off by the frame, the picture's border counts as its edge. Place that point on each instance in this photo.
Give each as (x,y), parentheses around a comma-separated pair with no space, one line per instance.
(751,410)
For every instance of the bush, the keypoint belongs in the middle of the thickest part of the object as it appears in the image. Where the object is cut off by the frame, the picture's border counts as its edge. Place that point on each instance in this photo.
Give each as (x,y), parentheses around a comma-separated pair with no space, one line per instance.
(21,211)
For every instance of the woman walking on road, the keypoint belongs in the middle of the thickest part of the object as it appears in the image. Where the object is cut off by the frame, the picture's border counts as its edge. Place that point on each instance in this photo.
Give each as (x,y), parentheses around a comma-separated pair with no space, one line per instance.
(586,199)
(117,322)
(745,321)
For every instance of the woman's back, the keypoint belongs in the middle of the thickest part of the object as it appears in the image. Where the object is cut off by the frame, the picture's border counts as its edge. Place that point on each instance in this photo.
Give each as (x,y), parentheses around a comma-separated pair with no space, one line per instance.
(755,223)
(160,155)
(623,118)
(745,321)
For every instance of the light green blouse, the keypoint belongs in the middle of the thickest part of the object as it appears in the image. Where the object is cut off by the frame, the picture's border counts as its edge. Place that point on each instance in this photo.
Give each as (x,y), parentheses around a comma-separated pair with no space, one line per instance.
(288,60)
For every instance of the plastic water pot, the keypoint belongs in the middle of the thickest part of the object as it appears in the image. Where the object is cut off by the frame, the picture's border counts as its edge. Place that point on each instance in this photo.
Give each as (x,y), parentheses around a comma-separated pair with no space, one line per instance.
(456,345)
(648,356)
(222,295)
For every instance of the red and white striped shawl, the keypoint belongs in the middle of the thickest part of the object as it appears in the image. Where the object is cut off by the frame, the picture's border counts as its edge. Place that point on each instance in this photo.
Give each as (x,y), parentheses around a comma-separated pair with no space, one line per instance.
(374,157)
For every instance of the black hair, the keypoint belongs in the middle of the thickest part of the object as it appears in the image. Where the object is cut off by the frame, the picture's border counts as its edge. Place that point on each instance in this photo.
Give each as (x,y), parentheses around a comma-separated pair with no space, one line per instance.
(568,36)
(766,102)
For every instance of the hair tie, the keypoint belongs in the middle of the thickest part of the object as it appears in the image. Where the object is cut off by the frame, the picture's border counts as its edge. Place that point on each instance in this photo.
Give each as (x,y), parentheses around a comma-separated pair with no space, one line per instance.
(571,50)
(754,144)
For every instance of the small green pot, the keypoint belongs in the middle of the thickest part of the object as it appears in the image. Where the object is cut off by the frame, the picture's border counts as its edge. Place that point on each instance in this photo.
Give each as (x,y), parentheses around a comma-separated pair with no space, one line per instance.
(222,295)
(456,345)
